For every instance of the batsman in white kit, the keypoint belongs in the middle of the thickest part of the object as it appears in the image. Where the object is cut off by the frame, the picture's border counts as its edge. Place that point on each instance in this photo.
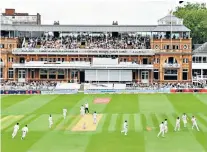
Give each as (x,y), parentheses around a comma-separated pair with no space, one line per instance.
(64,113)
(194,123)
(82,110)
(16,128)
(125,128)
(24,131)
(94,117)
(162,130)
(165,125)
(184,118)
(177,125)
(50,121)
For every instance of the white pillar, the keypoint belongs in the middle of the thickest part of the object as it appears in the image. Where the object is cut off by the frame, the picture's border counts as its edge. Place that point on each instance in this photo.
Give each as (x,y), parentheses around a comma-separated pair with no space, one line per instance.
(202,73)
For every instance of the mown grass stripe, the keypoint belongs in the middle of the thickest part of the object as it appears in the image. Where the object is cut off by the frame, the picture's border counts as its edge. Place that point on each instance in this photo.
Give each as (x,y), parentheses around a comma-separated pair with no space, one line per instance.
(149,121)
(101,123)
(70,124)
(201,123)
(171,121)
(13,119)
(6,118)
(155,121)
(107,122)
(113,121)
(138,123)
(119,123)
(22,122)
(63,122)
(159,117)
(41,123)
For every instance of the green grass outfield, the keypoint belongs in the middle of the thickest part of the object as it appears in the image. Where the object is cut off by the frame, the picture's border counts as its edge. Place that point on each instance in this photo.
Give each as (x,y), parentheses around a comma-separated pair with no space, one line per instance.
(140,110)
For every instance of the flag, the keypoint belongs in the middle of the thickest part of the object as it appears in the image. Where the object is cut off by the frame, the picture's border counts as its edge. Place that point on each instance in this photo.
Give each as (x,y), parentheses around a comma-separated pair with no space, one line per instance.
(23,43)
(180,2)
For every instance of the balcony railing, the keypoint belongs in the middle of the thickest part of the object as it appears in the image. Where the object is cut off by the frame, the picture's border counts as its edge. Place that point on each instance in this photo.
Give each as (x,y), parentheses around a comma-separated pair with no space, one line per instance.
(84,51)
(169,65)
(80,65)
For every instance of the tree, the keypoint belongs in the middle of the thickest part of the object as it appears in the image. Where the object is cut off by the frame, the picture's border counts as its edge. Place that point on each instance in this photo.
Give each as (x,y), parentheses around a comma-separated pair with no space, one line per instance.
(195,18)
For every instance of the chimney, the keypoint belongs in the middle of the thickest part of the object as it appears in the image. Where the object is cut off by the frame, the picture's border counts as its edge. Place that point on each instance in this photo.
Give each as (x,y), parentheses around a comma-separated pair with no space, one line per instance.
(9,11)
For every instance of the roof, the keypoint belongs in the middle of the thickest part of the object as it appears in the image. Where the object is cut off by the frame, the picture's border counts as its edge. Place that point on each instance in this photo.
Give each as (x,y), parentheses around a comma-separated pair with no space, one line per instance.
(202,49)
(95,28)
(169,17)
(80,28)
(175,28)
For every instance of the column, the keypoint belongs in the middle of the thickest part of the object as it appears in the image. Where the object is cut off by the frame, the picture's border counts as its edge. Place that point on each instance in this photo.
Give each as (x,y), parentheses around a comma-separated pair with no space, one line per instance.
(202,73)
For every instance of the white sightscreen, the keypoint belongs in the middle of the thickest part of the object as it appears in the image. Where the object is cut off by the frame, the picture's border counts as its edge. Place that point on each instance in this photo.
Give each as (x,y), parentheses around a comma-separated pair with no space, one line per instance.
(108,75)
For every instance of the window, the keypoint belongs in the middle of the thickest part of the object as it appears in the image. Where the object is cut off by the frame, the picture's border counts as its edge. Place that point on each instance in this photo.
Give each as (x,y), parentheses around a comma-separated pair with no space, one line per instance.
(11,73)
(52,73)
(157,60)
(204,59)
(156,74)
(170,72)
(1,46)
(193,59)
(61,74)
(185,60)
(32,59)
(175,47)
(32,74)
(185,74)
(63,59)
(1,73)
(167,47)
(58,59)
(43,73)
(145,60)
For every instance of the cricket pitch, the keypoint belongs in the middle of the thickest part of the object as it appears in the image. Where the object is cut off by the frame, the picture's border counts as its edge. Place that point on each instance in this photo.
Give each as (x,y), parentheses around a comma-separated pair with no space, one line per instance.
(88,120)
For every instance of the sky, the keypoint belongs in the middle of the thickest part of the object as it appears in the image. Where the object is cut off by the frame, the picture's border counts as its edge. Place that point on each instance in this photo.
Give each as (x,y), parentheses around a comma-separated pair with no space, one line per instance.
(126,12)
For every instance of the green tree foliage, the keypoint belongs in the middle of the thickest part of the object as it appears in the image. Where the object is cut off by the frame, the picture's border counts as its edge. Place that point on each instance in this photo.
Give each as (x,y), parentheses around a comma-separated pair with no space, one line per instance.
(195,18)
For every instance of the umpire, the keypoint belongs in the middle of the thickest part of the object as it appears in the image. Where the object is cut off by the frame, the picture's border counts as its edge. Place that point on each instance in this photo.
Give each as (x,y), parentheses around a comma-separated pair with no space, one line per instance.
(86,108)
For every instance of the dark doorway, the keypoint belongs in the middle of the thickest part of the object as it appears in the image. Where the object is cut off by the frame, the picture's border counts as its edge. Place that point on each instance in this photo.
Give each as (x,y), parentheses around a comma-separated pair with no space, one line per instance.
(82,76)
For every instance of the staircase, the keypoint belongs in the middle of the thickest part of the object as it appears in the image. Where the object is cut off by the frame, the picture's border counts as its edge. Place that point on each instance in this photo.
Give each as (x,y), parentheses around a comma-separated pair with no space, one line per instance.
(81,88)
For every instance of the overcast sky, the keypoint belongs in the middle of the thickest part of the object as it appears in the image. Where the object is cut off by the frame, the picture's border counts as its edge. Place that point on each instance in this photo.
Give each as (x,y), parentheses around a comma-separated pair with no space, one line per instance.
(134,12)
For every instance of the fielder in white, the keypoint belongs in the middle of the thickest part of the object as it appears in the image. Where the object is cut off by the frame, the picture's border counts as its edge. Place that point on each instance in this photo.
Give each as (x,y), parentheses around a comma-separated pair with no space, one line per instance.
(82,110)
(125,128)
(184,118)
(194,123)
(162,130)
(50,121)
(16,128)
(177,125)
(64,113)
(165,125)
(94,117)
(24,131)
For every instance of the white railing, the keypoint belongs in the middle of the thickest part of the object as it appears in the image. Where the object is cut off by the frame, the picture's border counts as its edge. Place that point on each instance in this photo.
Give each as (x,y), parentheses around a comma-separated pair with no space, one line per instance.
(80,65)
(84,51)
(168,65)
(199,78)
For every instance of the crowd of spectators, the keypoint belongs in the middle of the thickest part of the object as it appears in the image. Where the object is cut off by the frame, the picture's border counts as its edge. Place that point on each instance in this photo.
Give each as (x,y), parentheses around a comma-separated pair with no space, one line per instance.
(88,42)
(155,86)
(51,85)
(34,85)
